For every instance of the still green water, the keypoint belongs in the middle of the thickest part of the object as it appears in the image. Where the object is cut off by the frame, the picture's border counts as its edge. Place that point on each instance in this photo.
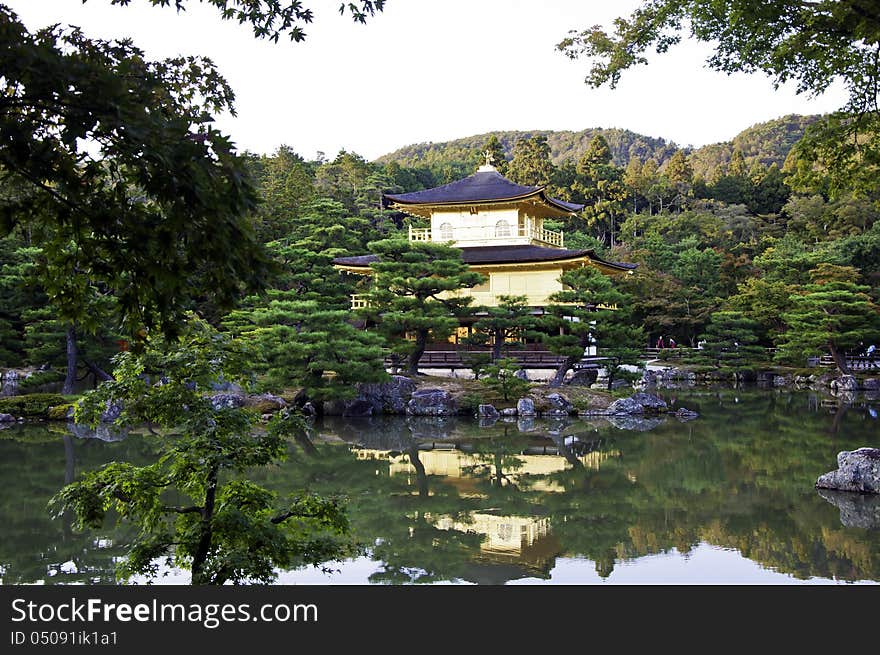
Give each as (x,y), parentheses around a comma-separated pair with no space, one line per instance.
(727,498)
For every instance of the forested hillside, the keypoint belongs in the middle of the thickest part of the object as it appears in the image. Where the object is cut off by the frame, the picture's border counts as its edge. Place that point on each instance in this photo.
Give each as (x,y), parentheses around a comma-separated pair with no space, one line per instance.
(767,143)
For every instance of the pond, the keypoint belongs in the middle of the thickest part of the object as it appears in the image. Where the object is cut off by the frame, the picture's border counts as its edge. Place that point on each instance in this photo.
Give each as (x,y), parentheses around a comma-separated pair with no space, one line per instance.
(727,498)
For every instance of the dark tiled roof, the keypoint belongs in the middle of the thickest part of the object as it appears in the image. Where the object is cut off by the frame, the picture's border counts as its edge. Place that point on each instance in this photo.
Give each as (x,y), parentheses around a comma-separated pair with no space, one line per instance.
(482,186)
(502,255)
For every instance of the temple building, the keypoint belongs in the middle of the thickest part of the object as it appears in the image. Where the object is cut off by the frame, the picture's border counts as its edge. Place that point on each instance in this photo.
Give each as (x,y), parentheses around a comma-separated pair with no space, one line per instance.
(499,227)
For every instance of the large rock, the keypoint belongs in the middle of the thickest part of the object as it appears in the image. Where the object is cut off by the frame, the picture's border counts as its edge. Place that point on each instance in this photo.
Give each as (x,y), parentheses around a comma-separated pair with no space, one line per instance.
(857,470)
(265,403)
(375,399)
(638,403)
(583,377)
(487,411)
(102,432)
(227,401)
(112,411)
(559,403)
(431,402)
(6,418)
(845,383)
(856,510)
(525,407)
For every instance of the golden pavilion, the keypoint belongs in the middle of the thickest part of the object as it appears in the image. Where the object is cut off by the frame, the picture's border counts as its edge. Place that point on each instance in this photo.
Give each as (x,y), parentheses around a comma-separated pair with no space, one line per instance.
(499,227)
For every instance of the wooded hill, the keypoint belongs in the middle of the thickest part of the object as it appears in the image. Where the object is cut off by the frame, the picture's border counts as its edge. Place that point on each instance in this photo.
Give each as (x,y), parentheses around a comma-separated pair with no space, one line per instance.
(767,143)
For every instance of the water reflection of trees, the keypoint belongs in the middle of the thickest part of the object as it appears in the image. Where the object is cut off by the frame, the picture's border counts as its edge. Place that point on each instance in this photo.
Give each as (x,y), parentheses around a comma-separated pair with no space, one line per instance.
(36,461)
(739,477)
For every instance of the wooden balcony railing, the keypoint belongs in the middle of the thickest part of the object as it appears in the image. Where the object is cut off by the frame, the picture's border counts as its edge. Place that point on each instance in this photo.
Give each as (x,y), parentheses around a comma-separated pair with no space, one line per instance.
(527,231)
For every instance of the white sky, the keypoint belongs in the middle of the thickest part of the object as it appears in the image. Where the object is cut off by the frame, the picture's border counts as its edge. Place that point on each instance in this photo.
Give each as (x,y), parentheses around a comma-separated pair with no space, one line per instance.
(435,70)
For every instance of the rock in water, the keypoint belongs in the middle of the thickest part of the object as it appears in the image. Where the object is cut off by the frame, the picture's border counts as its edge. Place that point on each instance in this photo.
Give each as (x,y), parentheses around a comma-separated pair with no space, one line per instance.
(638,403)
(487,411)
(857,470)
(431,402)
(525,407)
(856,510)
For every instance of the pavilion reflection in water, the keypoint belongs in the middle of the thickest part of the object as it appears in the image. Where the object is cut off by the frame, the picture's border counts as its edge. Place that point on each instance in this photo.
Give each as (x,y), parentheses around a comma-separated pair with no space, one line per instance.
(522,540)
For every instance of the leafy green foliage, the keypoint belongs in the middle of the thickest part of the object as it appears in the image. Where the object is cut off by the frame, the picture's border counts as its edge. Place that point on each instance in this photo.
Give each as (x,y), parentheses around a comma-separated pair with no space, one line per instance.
(154,176)
(303,344)
(233,530)
(592,310)
(500,377)
(531,163)
(33,405)
(273,18)
(730,340)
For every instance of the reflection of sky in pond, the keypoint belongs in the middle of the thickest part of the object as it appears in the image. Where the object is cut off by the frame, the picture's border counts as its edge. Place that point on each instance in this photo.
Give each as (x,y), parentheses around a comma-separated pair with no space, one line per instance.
(705,564)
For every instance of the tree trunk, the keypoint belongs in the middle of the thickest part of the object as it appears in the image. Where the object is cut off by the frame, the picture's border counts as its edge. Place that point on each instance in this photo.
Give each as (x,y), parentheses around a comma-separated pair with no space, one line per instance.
(565,451)
(421,476)
(70,379)
(200,557)
(412,367)
(559,376)
(839,359)
(496,346)
(97,372)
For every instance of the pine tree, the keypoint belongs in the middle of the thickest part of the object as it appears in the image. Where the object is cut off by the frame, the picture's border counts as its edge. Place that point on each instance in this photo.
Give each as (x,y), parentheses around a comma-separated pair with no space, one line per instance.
(417,293)
(591,311)
(302,344)
(531,164)
(506,324)
(730,340)
(599,185)
(833,313)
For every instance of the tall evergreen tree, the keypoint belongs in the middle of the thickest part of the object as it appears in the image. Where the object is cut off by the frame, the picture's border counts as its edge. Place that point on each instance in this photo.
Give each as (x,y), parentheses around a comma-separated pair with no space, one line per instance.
(591,311)
(496,152)
(417,293)
(599,184)
(834,313)
(506,324)
(531,164)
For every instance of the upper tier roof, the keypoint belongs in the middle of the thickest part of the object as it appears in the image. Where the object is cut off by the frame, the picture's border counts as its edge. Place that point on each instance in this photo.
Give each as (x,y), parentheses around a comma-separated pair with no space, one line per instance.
(487,185)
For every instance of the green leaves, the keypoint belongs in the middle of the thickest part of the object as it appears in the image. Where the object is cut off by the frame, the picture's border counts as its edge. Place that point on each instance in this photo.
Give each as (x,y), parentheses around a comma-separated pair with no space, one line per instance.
(119,158)
(227,529)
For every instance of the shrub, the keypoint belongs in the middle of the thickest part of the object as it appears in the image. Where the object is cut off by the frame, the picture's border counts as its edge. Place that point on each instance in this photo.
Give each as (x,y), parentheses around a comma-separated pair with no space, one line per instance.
(35,405)
(500,377)
(39,379)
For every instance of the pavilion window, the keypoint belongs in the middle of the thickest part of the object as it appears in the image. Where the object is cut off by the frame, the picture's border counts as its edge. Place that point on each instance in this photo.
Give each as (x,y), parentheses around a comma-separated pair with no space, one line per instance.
(446,232)
(502,228)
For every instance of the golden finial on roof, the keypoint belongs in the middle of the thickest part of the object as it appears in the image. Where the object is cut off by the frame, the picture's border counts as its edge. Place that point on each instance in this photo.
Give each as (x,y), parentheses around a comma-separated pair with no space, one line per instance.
(488,165)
